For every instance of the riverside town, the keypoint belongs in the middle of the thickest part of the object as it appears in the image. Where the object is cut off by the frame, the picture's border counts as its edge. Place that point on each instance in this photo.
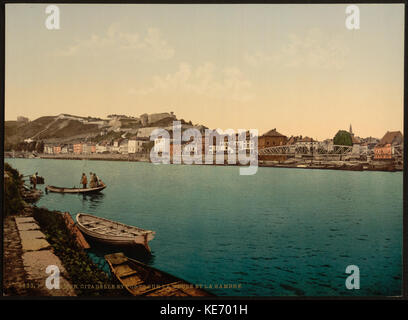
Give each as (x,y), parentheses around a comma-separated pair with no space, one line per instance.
(204,150)
(156,138)
(129,138)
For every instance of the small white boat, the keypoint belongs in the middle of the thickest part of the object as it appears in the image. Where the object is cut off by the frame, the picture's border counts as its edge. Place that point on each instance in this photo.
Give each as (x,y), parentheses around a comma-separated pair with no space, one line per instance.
(113,233)
(74,190)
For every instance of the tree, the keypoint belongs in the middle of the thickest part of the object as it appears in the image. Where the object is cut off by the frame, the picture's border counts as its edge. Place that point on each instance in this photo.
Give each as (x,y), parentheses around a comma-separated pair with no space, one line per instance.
(13,201)
(39,147)
(343,138)
(31,146)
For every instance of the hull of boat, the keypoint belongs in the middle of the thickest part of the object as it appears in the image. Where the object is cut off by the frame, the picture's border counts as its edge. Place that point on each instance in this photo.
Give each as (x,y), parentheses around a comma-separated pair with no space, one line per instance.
(114,240)
(142,280)
(75,190)
(139,240)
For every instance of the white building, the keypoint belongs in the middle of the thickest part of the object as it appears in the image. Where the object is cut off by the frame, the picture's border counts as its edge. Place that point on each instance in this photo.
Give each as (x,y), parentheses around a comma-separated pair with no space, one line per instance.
(101,148)
(306,142)
(221,148)
(88,148)
(160,145)
(132,146)
(115,147)
(246,146)
(191,147)
(48,149)
(123,147)
(136,145)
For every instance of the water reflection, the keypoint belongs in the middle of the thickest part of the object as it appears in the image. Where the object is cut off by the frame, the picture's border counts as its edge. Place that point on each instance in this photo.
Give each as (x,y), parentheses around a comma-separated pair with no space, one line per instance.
(94,199)
(99,250)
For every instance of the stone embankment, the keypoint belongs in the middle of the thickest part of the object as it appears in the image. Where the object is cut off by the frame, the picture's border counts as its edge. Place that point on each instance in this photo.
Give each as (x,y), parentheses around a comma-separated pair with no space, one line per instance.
(98,156)
(27,254)
(298,163)
(336,165)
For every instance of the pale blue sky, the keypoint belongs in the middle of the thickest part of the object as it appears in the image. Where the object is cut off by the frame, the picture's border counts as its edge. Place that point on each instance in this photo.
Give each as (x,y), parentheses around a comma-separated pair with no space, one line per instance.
(290,67)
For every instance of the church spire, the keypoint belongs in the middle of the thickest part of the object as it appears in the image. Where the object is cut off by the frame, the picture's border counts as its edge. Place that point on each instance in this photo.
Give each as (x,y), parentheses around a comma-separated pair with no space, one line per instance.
(351,129)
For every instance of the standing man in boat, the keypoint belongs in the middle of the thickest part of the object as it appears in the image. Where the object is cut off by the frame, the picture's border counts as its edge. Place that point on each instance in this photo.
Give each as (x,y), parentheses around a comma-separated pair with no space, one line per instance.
(84,180)
(34,180)
(91,182)
(96,180)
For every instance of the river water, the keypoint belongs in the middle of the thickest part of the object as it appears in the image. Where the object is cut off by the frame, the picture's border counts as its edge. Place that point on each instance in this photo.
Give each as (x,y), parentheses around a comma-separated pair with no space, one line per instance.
(281,232)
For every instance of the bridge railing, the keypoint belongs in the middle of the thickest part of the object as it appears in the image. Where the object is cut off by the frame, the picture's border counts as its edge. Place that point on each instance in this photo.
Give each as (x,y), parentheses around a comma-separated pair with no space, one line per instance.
(306,150)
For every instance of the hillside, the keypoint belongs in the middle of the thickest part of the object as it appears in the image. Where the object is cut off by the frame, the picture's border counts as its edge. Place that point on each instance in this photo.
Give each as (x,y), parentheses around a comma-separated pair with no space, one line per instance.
(66,128)
(46,128)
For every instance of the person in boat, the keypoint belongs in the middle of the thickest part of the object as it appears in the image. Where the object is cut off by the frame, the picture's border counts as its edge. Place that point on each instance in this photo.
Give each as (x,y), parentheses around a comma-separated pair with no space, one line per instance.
(34,180)
(84,180)
(91,180)
(96,180)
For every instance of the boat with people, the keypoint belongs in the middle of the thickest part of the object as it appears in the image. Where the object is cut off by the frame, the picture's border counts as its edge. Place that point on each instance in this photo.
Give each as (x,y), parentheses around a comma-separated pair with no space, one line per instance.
(142,280)
(75,190)
(112,232)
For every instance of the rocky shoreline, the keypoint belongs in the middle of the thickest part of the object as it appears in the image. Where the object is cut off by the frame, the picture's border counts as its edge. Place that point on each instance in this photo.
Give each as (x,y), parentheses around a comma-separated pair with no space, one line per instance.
(35,238)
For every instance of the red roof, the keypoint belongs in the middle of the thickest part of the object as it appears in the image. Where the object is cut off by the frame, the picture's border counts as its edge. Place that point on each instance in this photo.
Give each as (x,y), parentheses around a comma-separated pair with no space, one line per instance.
(391,137)
(273,133)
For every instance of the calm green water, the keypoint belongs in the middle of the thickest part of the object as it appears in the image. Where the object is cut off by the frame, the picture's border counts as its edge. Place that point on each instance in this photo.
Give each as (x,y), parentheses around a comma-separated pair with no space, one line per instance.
(281,232)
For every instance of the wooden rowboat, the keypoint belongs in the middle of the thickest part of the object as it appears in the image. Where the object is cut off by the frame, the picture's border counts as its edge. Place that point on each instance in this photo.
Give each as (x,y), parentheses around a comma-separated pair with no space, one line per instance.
(142,280)
(113,233)
(75,190)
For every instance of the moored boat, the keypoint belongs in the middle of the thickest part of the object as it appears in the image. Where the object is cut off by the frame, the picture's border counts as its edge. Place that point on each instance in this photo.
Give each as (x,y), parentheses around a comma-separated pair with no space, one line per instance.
(75,190)
(39,180)
(142,280)
(113,233)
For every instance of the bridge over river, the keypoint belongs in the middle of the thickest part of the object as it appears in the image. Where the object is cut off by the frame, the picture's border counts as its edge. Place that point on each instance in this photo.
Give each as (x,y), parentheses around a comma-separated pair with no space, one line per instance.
(314,151)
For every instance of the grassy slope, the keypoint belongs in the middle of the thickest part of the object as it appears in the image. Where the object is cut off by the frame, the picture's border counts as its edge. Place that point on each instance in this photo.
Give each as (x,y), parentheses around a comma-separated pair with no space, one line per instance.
(48,129)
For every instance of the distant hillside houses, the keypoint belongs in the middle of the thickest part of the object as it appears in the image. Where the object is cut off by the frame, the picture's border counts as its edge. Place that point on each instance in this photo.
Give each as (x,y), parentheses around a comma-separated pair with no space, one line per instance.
(58,148)
(137,144)
(121,146)
(84,120)
(209,145)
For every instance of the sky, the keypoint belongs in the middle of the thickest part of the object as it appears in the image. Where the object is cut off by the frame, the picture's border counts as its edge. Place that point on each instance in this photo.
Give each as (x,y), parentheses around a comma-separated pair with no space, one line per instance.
(296,68)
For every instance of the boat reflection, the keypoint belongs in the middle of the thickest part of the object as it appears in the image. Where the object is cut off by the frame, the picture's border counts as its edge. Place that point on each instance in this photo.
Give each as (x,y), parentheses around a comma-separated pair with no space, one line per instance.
(92,199)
